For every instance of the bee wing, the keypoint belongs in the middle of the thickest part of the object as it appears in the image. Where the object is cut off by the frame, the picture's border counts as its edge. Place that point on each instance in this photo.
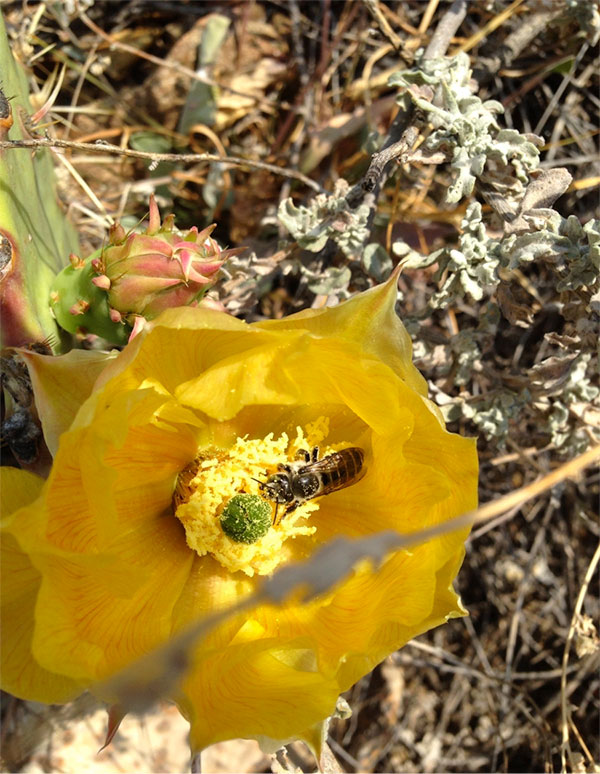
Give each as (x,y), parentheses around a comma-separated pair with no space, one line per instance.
(339,469)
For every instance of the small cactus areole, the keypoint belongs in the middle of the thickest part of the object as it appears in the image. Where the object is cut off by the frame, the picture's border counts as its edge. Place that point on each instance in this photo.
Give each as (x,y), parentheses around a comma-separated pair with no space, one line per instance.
(79,305)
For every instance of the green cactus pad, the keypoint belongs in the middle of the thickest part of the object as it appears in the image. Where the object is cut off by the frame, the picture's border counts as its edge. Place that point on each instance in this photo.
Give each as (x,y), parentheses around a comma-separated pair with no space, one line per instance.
(74,285)
(35,235)
(246,518)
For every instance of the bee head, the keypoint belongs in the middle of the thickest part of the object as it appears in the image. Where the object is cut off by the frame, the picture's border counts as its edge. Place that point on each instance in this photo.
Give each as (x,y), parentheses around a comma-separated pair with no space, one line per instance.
(277,487)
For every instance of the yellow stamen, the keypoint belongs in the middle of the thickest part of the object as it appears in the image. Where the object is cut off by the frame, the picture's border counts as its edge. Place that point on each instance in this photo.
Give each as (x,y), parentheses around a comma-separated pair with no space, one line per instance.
(205,487)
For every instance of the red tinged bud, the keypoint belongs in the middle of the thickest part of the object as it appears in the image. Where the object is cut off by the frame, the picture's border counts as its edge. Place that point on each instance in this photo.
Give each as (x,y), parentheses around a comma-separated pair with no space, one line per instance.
(138,275)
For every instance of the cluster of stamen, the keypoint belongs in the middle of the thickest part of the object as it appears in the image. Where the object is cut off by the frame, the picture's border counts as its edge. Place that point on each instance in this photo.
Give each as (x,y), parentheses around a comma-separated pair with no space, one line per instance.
(208,492)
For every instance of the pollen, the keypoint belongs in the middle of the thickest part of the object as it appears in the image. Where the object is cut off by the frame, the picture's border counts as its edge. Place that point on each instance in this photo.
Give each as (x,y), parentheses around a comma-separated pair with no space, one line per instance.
(207,486)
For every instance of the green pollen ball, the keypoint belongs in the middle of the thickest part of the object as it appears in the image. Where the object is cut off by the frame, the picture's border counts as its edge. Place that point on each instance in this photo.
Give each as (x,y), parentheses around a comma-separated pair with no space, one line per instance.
(246,518)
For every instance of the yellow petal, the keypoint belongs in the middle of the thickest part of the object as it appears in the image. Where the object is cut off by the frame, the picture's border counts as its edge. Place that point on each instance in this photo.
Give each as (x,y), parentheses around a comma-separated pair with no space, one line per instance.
(104,481)
(218,351)
(61,384)
(18,488)
(301,370)
(394,494)
(368,320)
(249,377)
(255,690)
(211,588)
(96,614)
(20,673)
(447,602)
(179,344)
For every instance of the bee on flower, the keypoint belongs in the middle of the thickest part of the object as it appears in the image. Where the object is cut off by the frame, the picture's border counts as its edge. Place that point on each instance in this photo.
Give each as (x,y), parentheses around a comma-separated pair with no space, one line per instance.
(165,454)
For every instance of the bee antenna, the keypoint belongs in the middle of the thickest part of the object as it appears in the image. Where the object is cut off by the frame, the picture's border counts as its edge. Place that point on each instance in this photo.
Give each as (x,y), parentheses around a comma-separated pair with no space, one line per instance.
(261,484)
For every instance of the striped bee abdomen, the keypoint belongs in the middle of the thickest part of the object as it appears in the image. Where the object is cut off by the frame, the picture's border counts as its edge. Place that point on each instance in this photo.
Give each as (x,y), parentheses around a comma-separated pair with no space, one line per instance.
(339,470)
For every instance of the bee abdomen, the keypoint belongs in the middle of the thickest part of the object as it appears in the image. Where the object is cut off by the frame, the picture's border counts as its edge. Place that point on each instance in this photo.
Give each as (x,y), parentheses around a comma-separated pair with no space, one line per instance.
(354,458)
(346,471)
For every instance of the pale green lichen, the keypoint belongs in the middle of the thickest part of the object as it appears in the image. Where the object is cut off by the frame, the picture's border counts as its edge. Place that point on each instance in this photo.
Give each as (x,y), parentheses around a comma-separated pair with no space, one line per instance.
(327,216)
(567,435)
(465,127)
(483,268)
(470,269)
(560,418)
(492,415)
(475,269)
(571,250)
(376,262)
(334,279)
(467,355)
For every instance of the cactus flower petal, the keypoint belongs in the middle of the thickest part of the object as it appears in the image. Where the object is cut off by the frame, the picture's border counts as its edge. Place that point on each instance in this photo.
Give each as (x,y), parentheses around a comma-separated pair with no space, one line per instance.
(61,384)
(203,406)
(139,324)
(20,586)
(154,217)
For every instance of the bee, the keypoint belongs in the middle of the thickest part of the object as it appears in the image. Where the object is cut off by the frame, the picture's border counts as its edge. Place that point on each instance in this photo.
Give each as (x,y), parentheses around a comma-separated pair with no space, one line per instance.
(309,477)
(20,430)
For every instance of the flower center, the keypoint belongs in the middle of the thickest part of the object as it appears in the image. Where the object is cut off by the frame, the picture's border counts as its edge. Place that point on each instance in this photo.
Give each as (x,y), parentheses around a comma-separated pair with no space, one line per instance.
(237,504)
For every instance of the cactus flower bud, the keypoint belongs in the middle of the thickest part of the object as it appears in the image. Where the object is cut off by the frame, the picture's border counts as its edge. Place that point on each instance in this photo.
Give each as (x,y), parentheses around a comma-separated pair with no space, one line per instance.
(135,277)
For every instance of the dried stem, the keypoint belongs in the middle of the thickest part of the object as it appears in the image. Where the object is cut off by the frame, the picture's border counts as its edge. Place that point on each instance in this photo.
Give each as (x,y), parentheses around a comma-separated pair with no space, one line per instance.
(195,158)
(446,29)
(564,706)
(376,13)
(405,128)
(196,763)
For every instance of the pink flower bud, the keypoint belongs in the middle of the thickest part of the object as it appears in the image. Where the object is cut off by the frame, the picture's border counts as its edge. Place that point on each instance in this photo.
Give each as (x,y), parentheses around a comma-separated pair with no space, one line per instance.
(135,276)
(116,234)
(160,268)
(101,282)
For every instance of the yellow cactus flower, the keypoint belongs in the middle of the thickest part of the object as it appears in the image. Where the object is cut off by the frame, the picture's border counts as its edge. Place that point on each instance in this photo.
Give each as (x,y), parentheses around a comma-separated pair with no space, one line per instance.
(198,426)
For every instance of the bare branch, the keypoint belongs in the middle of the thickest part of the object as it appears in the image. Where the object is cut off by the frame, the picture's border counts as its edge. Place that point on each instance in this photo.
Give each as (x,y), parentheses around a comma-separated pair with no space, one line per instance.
(193,158)
(446,29)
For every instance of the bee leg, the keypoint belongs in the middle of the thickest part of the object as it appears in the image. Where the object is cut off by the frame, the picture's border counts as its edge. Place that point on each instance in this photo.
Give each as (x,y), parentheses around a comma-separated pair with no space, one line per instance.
(302,454)
(275,517)
(284,467)
(290,508)
(314,454)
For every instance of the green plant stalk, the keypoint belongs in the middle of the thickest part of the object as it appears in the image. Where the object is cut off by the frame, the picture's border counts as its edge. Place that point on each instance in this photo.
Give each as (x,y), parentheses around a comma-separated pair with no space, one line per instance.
(35,235)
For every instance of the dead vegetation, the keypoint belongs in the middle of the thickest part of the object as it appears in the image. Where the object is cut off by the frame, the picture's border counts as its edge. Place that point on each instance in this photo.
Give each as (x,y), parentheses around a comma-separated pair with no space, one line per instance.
(303,88)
